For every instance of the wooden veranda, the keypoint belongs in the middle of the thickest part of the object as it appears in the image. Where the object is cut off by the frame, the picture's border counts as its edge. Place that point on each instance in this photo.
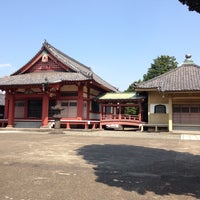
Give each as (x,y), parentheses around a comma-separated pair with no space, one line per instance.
(124,109)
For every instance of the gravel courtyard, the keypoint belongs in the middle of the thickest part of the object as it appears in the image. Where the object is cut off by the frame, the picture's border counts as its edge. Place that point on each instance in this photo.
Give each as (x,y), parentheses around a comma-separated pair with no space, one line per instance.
(98,166)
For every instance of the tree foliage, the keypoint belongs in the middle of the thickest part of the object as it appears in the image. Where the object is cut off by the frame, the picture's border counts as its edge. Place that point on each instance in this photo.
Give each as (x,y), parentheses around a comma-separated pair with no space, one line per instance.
(193,5)
(131,110)
(161,65)
(132,85)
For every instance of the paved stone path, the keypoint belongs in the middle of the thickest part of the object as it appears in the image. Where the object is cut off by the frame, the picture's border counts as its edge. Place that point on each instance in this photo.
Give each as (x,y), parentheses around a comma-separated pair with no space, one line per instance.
(98,165)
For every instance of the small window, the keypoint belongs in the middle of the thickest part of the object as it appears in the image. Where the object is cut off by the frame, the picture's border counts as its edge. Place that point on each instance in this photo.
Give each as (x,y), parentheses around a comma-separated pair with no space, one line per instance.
(185,109)
(160,109)
(19,103)
(72,104)
(176,109)
(194,109)
(64,104)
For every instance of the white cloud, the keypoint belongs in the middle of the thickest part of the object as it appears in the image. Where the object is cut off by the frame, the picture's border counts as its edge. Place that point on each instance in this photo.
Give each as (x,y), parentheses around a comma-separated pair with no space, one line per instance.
(5,65)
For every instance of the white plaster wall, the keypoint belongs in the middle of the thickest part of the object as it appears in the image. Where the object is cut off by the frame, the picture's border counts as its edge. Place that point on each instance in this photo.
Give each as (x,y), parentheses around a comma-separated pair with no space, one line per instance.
(153,105)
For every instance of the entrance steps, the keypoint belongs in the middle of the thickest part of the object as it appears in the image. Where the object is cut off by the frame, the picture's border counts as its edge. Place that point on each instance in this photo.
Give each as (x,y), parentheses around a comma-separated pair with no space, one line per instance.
(27,124)
(186,128)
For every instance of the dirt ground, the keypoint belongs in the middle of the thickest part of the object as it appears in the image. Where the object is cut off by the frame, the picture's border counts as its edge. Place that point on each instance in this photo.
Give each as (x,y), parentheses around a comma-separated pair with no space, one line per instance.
(66,167)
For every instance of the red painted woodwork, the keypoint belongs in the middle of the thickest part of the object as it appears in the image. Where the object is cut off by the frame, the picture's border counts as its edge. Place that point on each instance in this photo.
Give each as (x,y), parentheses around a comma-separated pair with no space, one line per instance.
(11,111)
(88,102)
(37,64)
(45,110)
(86,123)
(31,63)
(6,106)
(116,116)
(45,61)
(3,122)
(46,66)
(80,103)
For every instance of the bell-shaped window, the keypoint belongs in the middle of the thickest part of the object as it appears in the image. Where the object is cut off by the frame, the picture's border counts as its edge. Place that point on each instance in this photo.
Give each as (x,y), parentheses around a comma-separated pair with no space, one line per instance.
(160,108)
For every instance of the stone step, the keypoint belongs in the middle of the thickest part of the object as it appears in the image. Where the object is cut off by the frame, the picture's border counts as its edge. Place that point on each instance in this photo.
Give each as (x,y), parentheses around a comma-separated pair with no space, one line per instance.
(24,124)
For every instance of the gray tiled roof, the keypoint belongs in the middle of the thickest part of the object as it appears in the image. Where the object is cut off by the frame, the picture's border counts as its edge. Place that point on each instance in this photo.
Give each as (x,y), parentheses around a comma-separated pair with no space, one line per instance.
(39,78)
(78,67)
(183,78)
(80,72)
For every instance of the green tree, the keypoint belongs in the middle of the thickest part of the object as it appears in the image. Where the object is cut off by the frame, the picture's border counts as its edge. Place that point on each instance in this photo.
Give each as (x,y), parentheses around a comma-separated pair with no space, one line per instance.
(161,65)
(193,5)
(132,86)
(131,110)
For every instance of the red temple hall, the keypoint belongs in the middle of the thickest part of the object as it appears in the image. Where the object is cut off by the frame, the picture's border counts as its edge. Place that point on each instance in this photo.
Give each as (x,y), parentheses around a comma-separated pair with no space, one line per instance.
(52,78)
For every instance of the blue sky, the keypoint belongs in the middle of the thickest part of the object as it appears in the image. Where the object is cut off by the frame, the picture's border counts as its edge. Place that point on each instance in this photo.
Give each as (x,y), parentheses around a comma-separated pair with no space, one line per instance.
(118,39)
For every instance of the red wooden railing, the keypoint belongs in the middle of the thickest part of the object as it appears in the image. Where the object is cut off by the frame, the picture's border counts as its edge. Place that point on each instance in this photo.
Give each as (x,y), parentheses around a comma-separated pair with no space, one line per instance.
(118,117)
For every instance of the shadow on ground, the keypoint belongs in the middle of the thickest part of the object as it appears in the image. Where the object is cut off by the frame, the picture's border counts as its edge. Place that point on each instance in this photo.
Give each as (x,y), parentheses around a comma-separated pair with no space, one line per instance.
(141,169)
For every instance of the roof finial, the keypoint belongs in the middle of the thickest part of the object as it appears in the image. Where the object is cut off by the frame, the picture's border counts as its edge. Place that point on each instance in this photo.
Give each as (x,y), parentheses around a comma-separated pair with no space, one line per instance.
(188,56)
(45,41)
(188,59)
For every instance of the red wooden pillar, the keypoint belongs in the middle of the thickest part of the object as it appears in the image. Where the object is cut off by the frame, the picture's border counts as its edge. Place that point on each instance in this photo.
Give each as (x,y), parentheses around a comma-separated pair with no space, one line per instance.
(120,111)
(80,102)
(68,125)
(101,111)
(45,110)
(88,102)
(11,111)
(101,114)
(6,106)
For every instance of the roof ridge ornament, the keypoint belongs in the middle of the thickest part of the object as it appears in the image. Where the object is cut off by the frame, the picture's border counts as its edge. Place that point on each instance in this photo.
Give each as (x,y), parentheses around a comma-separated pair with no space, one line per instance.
(188,56)
(188,59)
